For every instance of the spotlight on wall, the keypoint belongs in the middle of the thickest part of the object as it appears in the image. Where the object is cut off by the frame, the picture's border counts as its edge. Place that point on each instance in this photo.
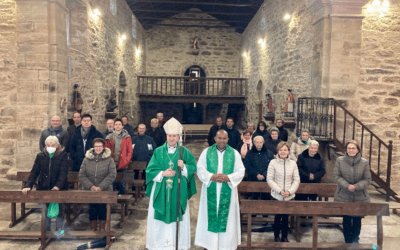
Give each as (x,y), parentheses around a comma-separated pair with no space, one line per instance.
(138,51)
(287,16)
(95,14)
(122,39)
(385,4)
(244,54)
(376,3)
(261,41)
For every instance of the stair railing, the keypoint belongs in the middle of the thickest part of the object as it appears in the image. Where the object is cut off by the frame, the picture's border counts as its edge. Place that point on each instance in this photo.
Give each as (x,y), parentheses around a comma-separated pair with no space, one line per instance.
(356,128)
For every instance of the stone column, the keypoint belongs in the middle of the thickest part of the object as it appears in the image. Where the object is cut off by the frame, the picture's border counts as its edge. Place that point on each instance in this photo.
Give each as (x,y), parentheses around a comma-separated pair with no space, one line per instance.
(337,43)
(41,42)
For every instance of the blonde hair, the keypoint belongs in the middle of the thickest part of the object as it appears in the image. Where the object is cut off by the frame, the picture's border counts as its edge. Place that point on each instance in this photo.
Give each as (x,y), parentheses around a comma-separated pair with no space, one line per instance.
(52,139)
(281,145)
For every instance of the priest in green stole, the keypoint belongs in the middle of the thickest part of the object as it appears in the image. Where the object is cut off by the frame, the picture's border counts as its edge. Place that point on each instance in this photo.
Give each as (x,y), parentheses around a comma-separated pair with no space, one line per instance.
(162,188)
(221,169)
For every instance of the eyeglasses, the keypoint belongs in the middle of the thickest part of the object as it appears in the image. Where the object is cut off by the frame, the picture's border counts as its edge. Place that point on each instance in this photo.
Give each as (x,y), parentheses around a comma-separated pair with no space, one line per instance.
(86,120)
(352,148)
(98,146)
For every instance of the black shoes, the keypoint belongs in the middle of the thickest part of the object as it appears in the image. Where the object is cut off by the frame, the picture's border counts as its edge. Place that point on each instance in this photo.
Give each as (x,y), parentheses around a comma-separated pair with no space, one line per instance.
(277,239)
(284,240)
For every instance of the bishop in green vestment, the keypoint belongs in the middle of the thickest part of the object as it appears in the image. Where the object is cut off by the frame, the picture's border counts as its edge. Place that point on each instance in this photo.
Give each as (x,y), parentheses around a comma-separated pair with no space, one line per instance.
(162,187)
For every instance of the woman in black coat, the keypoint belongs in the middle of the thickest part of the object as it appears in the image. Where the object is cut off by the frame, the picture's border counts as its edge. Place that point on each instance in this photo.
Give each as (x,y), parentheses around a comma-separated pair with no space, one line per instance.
(311,168)
(256,164)
(273,142)
(51,166)
(262,130)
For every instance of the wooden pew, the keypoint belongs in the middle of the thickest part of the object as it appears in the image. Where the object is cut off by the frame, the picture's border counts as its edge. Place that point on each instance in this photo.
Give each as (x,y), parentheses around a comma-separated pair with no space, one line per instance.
(43,197)
(140,182)
(73,178)
(195,129)
(323,191)
(314,209)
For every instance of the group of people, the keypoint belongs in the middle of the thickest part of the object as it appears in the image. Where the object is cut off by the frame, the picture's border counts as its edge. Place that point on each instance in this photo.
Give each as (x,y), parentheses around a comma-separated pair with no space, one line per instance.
(264,155)
(96,156)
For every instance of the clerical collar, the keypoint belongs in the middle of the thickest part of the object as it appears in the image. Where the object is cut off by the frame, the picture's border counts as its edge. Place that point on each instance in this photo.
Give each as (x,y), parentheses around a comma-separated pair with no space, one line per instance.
(171,147)
(221,150)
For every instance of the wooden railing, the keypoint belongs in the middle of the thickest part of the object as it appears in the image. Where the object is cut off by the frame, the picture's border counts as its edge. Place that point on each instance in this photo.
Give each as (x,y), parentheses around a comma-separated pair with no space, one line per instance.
(347,127)
(188,86)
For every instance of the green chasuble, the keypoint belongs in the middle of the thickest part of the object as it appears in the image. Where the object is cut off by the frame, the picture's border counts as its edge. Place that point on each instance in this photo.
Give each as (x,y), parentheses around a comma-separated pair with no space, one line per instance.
(217,220)
(165,199)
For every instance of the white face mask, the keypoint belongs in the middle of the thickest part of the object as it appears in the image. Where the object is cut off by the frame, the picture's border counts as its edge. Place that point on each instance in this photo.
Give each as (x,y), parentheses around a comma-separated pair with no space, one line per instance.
(51,150)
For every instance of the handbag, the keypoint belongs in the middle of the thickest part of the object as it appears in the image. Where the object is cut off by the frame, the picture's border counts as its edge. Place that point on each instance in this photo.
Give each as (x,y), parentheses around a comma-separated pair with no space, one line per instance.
(53,210)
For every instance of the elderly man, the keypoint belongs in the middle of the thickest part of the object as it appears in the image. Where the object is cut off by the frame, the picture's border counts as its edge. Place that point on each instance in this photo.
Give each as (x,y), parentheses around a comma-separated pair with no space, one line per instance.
(156,133)
(219,124)
(233,134)
(56,130)
(82,141)
(110,128)
(76,117)
(127,127)
(143,145)
(221,169)
(162,186)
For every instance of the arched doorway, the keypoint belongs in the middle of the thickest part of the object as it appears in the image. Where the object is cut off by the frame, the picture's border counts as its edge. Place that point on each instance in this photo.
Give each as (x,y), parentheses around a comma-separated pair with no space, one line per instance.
(195,85)
(121,93)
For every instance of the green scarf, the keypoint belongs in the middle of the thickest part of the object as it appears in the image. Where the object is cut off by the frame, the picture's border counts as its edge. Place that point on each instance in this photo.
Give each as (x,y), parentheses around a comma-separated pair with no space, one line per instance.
(164,199)
(217,222)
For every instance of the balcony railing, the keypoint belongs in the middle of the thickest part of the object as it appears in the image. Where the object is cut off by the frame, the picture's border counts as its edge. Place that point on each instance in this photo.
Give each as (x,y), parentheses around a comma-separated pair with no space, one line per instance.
(188,86)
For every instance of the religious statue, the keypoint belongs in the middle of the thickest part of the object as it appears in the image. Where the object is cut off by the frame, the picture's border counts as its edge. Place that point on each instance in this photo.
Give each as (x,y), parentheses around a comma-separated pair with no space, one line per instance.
(270,106)
(289,105)
(195,46)
(112,101)
(77,99)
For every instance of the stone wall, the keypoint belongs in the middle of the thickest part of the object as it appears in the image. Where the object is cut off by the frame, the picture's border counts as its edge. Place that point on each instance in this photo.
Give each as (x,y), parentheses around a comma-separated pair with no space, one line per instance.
(8,85)
(379,83)
(169,50)
(279,57)
(98,56)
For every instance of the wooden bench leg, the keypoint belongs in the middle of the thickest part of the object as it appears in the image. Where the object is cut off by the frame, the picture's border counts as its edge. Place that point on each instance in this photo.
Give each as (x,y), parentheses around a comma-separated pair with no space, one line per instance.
(108,226)
(315,233)
(298,222)
(13,214)
(44,242)
(249,217)
(379,226)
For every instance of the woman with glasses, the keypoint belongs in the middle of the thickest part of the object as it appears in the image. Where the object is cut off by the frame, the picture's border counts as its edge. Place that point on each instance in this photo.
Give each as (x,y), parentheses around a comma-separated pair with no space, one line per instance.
(97,174)
(352,174)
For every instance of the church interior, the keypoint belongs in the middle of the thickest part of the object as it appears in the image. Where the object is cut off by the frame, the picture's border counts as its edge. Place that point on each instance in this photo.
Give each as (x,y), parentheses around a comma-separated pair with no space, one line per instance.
(336,63)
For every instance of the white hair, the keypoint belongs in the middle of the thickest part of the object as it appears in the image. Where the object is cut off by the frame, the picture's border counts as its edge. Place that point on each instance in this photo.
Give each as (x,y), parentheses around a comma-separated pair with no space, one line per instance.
(258,137)
(314,142)
(52,139)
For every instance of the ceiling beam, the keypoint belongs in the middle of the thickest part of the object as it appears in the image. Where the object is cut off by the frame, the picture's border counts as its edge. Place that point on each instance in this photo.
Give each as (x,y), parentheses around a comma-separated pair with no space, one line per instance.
(193,2)
(195,12)
(192,19)
(189,26)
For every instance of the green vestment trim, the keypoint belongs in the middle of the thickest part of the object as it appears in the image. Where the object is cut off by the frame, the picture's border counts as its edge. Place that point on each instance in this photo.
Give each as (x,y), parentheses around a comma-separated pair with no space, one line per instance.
(217,219)
(165,200)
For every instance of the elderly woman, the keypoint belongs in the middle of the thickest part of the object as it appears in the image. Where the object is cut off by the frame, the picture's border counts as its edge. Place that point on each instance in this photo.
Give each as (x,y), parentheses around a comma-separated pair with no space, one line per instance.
(283,178)
(51,166)
(300,145)
(97,174)
(353,176)
(246,144)
(273,142)
(256,163)
(262,130)
(311,168)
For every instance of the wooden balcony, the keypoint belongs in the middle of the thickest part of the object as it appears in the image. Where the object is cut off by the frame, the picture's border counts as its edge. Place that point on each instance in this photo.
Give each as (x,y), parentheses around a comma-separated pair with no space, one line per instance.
(188,89)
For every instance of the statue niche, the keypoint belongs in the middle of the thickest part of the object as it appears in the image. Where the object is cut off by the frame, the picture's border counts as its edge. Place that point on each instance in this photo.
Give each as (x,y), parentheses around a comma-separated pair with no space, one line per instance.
(111,104)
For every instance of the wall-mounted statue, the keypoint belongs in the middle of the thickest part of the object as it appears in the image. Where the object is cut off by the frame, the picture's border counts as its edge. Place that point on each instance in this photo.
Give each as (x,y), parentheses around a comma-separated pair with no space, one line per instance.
(289,105)
(77,99)
(270,105)
(112,101)
(195,45)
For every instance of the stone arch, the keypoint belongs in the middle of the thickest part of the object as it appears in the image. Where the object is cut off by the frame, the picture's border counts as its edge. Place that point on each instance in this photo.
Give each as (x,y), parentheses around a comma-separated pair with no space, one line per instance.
(121,93)
(188,65)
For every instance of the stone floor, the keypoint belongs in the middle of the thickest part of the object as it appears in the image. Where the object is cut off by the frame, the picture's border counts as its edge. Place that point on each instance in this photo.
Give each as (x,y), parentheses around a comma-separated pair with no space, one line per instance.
(134,230)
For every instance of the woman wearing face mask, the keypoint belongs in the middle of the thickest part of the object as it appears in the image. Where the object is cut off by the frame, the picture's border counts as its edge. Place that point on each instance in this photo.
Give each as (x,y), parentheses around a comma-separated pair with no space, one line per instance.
(353,176)
(283,178)
(302,143)
(51,166)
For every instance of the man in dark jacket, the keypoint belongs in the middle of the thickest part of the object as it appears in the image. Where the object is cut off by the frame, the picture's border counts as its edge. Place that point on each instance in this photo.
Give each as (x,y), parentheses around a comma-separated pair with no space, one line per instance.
(233,134)
(82,141)
(156,133)
(219,124)
(143,145)
(283,134)
(77,121)
(110,128)
(127,127)
(311,169)
(256,163)
(56,130)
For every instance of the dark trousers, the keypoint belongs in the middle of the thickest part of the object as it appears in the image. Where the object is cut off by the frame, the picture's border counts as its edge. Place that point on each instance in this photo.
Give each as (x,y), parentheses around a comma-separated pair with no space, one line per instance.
(306,197)
(120,186)
(351,228)
(97,211)
(59,219)
(281,223)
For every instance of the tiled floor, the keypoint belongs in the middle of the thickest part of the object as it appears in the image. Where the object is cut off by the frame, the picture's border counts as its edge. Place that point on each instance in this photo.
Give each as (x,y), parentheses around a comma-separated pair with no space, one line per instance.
(134,231)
